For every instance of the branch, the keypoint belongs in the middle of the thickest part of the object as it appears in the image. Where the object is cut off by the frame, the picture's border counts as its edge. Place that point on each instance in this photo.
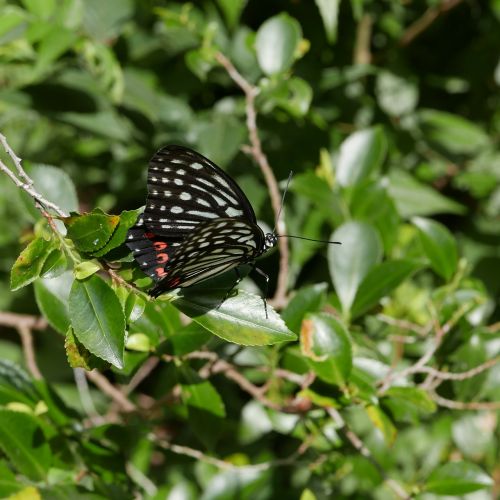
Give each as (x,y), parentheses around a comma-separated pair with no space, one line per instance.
(427,19)
(26,183)
(459,405)
(362,52)
(108,388)
(461,375)
(14,320)
(255,149)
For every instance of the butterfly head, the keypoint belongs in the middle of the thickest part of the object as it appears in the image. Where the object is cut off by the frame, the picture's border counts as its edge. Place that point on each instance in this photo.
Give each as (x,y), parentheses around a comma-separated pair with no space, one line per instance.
(270,241)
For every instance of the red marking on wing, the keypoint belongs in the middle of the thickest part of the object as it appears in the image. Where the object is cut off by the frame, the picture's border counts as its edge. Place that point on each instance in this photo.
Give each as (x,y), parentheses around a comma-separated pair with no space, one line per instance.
(161,258)
(160,272)
(159,245)
(174,282)
(149,235)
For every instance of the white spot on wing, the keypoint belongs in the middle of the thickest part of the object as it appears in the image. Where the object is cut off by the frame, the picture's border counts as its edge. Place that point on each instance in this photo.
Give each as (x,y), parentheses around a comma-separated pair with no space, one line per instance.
(185,196)
(196,166)
(177,210)
(179,182)
(233,212)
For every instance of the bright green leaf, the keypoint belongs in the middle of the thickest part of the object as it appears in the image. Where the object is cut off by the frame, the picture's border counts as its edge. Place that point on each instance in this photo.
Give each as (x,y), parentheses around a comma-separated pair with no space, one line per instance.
(29,264)
(97,319)
(240,319)
(383,423)
(276,43)
(85,269)
(351,261)
(232,10)
(52,299)
(361,154)
(201,394)
(458,478)
(327,346)
(329,10)
(439,246)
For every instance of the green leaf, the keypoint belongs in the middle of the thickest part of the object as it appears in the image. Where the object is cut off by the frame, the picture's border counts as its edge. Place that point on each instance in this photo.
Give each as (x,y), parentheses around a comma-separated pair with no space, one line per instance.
(276,43)
(351,261)
(201,61)
(104,20)
(414,198)
(85,269)
(90,232)
(201,394)
(138,342)
(23,441)
(55,185)
(55,43)
(380,282)
(439,246)
(9,485)
(55,264)
(240,319)
(29,264)
(451,132)
(327,346)
(232,10)
(188,339)
(360,155)
(408,403)
(97,319)
(52,299)
(383,423)
(329,10)
(458,478)
(40,8)
(306,300)
(396,96)
(127,220)
(293,95)
(78,356)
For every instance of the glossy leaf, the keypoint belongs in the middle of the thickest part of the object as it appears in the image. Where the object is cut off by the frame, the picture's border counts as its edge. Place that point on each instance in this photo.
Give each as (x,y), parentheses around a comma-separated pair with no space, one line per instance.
(396,95)
(202,394)
(90,232)
(327,346)
(329,10)
(351,261)
(439,246)
(85,269)
(381,281)
(383,423)
(458,478)
(276,43)
(29,264)
(55,264)
(97,319)
(240,319)
(361,154)
(23,441)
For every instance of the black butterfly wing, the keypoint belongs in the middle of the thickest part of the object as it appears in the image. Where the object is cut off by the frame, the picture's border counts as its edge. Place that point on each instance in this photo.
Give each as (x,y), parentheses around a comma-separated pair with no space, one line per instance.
(185,189)
(213,248)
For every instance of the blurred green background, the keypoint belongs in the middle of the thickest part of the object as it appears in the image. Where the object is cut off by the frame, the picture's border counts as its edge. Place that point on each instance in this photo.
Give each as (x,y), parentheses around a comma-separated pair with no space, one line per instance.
(388,112)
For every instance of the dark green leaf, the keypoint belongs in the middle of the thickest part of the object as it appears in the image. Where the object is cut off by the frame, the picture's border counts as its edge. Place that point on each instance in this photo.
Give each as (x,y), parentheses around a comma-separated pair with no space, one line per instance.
(23,441)
(97,319)
(408,403)
(55,264)
(232,10)
(381,281)
(90,232)
(306,300)
(201,394)
(439,246)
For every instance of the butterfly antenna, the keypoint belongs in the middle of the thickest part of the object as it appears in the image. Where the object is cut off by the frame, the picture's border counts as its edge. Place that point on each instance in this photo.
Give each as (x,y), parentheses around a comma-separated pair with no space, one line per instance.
(283,200)
(310,239)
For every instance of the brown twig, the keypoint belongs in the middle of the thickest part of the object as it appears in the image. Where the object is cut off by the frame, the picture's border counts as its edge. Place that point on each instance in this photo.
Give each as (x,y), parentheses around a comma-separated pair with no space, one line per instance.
(109,389)
(461,375)
(255,149)
(29,351)
(426,20)
(25,183)
(14,320)
(459,405)
(362,52)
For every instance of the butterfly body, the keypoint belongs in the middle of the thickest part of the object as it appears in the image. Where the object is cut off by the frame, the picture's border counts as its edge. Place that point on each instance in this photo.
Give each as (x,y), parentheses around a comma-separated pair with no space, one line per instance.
(197,222)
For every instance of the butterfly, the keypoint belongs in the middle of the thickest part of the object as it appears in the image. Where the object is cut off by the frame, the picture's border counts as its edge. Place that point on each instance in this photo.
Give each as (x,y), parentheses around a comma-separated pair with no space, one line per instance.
(197,222)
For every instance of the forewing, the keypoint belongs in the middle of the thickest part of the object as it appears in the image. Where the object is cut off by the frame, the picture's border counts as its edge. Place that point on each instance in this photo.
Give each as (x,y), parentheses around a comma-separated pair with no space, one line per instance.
(213,248)
(186,189)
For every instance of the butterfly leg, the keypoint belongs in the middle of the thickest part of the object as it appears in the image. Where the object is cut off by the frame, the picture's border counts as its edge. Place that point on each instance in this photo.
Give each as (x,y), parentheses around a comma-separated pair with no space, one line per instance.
(266,278)
(235,284)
